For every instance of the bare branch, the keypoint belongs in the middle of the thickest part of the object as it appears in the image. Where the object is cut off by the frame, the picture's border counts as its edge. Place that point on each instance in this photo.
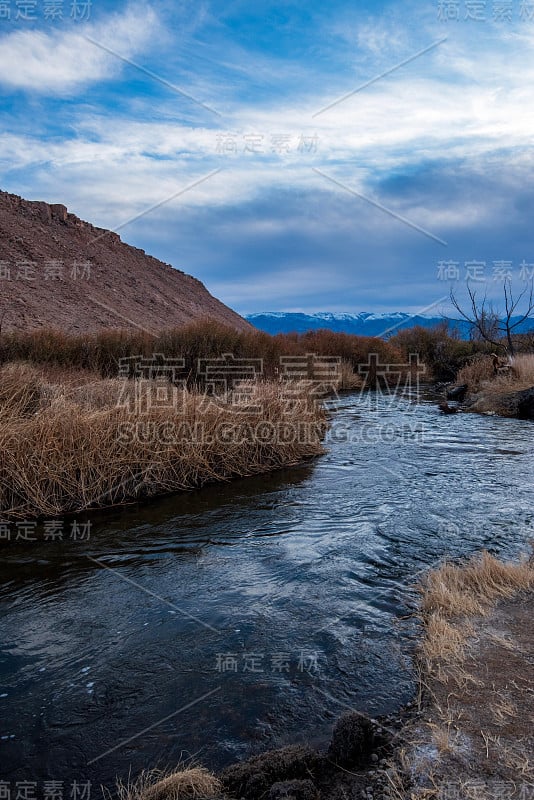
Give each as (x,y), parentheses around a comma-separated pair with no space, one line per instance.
(530,307)
(481,319)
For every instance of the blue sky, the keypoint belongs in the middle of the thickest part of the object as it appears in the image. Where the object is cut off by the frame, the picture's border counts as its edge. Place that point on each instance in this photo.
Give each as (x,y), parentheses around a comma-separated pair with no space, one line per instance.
(290,206)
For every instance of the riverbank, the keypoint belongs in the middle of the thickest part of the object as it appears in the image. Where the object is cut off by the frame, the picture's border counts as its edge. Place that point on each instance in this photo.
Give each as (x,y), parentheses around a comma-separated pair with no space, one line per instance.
(469,736)
(473,736)
(506,391)
(71,440)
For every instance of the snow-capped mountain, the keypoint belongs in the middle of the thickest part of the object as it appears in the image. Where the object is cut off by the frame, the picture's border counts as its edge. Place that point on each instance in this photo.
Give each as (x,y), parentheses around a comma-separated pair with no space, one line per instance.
(364,324)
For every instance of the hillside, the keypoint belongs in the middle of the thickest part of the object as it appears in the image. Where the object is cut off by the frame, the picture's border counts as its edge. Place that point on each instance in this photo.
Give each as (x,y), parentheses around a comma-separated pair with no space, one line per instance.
(58,271)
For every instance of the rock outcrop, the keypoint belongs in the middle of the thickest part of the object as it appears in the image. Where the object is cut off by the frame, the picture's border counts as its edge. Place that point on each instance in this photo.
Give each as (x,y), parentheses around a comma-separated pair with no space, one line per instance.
(58,271)
(518,404)
(525,404)
(347,768)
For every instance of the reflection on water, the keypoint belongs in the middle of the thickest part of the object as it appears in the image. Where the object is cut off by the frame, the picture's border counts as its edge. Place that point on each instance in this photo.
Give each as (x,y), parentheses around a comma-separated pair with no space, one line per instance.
(248,615)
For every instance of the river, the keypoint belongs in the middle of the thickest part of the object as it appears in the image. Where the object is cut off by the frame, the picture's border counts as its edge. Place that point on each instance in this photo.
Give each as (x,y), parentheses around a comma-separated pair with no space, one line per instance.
(216,624)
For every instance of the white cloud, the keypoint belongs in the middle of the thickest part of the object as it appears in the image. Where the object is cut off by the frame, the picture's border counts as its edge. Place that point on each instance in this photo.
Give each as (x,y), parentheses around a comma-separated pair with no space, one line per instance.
(64,60)
(113,167)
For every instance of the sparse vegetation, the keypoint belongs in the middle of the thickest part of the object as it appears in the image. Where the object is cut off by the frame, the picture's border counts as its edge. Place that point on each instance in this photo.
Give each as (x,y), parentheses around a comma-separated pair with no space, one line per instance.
(473,732)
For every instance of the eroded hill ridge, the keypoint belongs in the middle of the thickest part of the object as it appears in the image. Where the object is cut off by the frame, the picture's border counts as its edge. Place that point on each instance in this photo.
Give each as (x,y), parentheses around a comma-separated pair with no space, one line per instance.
(59,271)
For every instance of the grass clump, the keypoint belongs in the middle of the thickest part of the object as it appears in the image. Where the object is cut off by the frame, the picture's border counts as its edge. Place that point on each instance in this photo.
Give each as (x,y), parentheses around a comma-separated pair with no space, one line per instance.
(452,595)
(193,783)
(454,590)
(481,374)
(494,385)
(476,373)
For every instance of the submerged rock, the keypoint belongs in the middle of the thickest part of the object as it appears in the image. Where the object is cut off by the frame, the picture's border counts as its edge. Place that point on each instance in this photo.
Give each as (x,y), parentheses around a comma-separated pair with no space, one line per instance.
(445,408)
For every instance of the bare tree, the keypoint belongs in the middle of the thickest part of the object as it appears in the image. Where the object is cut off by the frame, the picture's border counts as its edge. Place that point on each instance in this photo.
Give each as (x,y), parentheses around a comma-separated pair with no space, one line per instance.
(492,326)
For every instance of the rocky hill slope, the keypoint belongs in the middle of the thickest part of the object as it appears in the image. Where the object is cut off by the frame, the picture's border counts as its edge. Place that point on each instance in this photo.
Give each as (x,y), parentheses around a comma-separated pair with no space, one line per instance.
(58,271)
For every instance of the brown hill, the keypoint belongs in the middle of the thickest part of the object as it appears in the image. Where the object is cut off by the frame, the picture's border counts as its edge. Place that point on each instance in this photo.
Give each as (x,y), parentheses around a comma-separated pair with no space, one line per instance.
(58,271)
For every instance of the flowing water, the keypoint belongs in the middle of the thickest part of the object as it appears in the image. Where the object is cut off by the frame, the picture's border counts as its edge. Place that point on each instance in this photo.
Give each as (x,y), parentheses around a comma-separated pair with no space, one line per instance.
(245,616)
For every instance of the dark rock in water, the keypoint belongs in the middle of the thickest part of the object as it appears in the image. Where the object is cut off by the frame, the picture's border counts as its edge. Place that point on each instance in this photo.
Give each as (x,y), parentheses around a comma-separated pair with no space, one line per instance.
(253,778)
(445,408)
(525,404)
(294,790)
(516,404)
(353,740)
(457,392)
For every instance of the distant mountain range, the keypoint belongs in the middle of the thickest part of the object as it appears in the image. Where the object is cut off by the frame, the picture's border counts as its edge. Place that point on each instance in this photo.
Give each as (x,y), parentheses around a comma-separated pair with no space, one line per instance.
(364,324)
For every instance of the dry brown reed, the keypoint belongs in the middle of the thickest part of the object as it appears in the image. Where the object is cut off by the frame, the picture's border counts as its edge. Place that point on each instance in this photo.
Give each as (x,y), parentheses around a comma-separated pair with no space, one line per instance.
(68,445)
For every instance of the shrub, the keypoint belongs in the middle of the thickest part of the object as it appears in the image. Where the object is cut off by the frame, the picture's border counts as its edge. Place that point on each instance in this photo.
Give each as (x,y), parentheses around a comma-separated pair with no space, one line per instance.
(442,351)
(478,371)
(101,352)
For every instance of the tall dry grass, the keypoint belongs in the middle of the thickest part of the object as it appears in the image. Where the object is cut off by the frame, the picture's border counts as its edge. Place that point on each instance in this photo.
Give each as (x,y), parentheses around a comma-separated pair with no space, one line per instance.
(523,369)
(453,593)
(472,733)
(80,441)
(476,373)
(480,374)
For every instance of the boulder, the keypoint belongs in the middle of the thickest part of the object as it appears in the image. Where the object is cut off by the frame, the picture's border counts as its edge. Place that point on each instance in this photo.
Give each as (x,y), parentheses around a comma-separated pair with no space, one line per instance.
(513,404)
(353,740)
(457,392)
(59,211)
(525,404)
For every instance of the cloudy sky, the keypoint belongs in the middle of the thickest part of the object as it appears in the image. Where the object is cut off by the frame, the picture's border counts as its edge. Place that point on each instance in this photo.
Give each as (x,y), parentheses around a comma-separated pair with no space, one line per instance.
(293,155)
